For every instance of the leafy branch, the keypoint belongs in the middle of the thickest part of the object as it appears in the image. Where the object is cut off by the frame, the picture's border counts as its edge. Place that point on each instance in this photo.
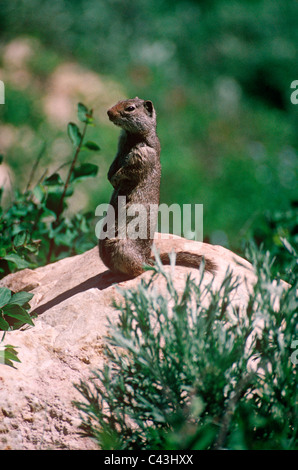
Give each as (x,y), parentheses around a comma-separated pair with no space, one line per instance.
(77,139)
(33,227)
(14,309)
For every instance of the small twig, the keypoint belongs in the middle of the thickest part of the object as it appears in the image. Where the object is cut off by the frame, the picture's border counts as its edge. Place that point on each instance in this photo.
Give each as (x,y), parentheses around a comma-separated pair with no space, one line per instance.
(42,177)
(230,408)
(62,166)
(34,168)
(60,206)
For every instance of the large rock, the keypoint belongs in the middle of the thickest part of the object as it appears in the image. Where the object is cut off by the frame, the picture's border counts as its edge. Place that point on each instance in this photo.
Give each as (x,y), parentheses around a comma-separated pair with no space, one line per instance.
(73,300)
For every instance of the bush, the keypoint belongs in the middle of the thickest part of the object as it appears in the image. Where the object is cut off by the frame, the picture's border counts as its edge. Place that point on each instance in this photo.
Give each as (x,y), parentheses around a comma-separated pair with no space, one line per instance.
(34,228)
(182,375)
(277,231)
(14,309)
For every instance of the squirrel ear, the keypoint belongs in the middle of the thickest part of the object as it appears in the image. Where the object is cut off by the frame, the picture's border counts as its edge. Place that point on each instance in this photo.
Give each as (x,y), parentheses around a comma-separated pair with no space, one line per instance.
(149,106)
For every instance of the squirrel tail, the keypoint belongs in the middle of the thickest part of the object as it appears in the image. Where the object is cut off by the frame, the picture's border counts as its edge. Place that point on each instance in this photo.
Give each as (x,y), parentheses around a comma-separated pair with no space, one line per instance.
(190,260)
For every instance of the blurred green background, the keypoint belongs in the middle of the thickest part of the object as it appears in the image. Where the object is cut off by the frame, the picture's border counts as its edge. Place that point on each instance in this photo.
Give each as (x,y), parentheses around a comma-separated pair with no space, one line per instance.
(219,73)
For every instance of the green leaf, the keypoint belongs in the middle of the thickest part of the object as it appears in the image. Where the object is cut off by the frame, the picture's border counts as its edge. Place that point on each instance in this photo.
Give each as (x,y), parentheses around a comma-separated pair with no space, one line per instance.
(11,354)
(91,146)
(288,246)
(65,239)
(20,239)
(19,262)
(38,192)
(84,115)
(8,355)
(2,252)
(85,170)
(1,159)
(4,326)
(18,312)
(74,134)
(5,296)
(54,198)
(53,180)
(47,213)
(20,298)
(82,112)
(32,247)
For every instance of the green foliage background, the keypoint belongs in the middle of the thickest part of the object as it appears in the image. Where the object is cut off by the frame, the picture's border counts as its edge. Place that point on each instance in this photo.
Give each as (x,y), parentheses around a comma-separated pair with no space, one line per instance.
(219,73)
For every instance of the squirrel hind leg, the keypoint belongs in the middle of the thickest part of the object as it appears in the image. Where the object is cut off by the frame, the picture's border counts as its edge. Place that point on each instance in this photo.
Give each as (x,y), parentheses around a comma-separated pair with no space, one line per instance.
(189,260)
(127,260)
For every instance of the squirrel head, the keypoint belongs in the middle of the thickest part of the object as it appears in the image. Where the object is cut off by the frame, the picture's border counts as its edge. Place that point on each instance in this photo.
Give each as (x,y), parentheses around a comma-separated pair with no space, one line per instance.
(135,115)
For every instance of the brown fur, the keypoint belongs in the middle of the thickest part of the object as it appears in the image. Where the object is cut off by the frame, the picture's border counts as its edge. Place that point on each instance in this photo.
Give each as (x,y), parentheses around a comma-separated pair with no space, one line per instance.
(135,173)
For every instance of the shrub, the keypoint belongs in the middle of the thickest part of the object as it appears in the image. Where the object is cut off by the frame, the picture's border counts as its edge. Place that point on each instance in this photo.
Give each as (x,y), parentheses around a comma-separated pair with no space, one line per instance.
(34,228)
(183,375)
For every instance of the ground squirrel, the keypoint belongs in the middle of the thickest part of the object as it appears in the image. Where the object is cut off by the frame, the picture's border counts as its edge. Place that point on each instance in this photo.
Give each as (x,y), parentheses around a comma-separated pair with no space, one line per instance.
(135,174)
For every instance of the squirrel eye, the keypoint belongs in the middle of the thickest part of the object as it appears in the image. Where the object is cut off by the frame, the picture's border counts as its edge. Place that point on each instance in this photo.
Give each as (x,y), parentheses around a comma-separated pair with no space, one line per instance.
(129,108)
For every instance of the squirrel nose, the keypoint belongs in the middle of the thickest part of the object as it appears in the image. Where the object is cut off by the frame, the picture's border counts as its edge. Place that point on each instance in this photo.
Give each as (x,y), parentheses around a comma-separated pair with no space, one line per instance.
(110,113)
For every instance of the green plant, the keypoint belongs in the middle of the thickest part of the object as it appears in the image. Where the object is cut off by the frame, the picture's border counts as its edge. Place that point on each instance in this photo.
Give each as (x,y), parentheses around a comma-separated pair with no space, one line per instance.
(277,231)
(185,374)
(85,170)
(14,309)
(34,227)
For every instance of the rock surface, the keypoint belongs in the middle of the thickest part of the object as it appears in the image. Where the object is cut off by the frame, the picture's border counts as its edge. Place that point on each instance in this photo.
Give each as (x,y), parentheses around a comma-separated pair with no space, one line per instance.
(73,300)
